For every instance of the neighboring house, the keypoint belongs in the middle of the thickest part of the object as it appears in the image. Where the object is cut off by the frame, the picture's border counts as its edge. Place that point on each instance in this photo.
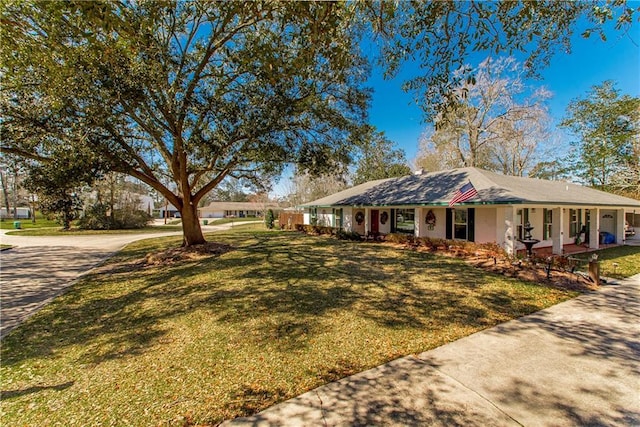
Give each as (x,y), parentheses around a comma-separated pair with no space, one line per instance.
(236,209)
(560,212)
(169,211)
(21,213)
(145,203)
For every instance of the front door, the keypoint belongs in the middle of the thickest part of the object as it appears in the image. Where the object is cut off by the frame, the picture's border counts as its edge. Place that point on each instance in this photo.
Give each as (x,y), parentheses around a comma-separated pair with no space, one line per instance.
(375,221)
(608,221)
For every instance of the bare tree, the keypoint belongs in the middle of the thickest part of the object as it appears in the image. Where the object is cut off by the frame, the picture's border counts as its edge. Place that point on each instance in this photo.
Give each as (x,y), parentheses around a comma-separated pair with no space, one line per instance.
(303,188)
(497,122)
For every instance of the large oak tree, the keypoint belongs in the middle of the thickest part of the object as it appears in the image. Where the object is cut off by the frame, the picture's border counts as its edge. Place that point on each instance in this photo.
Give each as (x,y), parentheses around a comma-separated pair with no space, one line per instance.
(181,95)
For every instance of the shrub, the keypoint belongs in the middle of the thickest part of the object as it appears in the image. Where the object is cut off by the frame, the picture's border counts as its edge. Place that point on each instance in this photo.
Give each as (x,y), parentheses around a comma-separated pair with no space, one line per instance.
(348,235)
(269,218)
(493,250)
(425,242)
(439,244)
(400,238)
(96,218)
(129,218)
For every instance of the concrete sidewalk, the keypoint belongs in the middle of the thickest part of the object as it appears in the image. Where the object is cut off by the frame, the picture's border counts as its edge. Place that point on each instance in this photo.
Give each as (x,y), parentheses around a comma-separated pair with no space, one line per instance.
(574,364)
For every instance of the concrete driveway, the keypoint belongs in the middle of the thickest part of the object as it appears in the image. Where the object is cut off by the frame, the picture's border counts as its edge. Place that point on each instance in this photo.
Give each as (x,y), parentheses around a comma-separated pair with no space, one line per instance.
(38,268)
(574,364)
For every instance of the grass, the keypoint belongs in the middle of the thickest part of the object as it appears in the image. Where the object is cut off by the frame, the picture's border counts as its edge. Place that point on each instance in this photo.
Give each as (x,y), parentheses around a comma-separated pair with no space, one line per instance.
(41,222)
(77,232)
(220,221)
(212,338)
(626,258)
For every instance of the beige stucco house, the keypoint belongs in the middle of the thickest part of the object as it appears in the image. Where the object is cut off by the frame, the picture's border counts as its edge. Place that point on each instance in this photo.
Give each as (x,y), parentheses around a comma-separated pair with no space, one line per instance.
(560,212)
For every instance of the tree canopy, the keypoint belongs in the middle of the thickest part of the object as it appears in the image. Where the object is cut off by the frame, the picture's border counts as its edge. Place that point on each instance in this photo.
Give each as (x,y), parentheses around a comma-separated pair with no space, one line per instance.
(606,154)
(378,159)
(441,36)
(183,94)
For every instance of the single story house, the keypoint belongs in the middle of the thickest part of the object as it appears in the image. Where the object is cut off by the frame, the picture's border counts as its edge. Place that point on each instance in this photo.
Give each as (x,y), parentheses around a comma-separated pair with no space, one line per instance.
(168,211)
(494,209)
(236,209)
(20,213)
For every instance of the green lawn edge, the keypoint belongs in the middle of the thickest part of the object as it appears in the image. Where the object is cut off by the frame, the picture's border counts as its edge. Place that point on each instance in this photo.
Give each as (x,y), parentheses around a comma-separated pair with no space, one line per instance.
(57,231)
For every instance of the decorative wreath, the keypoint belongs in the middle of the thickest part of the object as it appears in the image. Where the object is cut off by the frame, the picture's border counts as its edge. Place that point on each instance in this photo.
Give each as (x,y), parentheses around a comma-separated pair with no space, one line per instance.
(430,218)
(359,218)
(384,217)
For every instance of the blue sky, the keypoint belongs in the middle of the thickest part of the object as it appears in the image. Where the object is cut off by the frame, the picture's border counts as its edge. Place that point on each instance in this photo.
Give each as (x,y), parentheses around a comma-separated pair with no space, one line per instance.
(569,76)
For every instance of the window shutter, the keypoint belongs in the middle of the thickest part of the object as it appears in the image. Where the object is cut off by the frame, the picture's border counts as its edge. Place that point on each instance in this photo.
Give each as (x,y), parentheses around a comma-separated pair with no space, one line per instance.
(471,224)
(393,221)
(449,224)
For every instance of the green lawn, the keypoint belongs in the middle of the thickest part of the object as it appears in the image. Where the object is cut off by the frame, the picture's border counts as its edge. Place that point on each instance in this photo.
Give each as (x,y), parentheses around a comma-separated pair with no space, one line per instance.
(41,222)
(220,221)
(627,259)
(57,231)
(211,338)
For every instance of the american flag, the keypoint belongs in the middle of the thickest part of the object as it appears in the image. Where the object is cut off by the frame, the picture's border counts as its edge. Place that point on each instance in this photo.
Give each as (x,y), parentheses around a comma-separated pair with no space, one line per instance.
(465,193)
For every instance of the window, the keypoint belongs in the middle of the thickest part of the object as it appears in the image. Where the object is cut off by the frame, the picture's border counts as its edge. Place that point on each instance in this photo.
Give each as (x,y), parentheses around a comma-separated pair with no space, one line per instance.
(460,224)
(575,217)
(313,216)
(546,225)
(337,218)
(405,221)
(522,217)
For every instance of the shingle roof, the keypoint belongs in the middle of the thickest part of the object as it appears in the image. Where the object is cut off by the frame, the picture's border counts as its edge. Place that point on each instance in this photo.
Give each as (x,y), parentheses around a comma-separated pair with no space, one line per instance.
(437,188)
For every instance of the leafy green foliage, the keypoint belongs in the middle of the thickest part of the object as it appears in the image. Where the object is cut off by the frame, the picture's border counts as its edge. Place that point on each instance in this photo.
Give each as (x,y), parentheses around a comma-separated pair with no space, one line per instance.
(95,218)
(59,182)
(606,154)
(553,170)
(443,35)
(348,235)
(182,95)
(100,217)
(378,159)
(269,218)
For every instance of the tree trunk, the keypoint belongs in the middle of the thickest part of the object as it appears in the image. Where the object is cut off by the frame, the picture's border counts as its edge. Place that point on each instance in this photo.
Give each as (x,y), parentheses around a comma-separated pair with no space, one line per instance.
(4,191)
(192,233)
(66,220)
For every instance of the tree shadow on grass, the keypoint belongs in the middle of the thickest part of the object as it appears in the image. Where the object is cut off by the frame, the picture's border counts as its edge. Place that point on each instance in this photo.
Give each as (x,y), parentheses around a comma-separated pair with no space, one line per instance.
(8,394)
(295,280)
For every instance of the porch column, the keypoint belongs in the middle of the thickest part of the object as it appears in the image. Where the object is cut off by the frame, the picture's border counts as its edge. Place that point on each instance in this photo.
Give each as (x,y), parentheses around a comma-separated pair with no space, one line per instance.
(419,226)
(620,237)
(367,221)
(594,228)
(557,233)
(509,237)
